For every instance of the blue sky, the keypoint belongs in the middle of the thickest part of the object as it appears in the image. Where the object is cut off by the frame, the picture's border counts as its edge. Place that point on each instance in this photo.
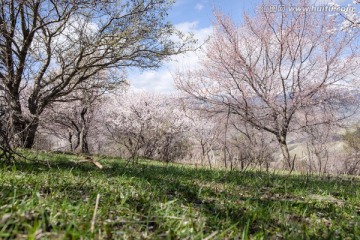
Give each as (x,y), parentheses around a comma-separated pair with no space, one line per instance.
(201,11)
(194,16)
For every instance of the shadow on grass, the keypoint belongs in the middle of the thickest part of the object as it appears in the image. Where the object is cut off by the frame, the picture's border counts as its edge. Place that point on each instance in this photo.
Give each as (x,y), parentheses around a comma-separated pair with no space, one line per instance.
(216,194)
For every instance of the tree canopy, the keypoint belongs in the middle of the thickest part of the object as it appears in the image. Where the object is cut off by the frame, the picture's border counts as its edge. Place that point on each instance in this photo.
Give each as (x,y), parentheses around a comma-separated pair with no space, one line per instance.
(49,48)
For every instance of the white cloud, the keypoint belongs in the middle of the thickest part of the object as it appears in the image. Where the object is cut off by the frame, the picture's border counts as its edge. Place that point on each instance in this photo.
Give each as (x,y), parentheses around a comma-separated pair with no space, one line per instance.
(155,81)
(186,26)
(199,6)
(161,80)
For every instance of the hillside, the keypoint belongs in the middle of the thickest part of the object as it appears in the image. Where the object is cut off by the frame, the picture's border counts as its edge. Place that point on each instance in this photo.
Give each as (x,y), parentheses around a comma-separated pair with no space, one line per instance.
(54,197)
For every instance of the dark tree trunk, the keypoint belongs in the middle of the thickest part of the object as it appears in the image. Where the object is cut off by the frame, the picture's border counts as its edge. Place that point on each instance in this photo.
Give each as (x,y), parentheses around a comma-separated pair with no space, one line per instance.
(203,156)
(83,142)
(22,129)
(30,133)
(289,164)
(70,141)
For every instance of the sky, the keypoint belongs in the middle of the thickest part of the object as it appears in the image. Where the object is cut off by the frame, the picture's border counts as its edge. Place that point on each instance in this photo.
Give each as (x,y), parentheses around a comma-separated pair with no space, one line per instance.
(194,16)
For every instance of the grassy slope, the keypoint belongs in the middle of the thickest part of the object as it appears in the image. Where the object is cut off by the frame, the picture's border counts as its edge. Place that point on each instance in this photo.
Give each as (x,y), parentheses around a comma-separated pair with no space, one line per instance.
(150,200)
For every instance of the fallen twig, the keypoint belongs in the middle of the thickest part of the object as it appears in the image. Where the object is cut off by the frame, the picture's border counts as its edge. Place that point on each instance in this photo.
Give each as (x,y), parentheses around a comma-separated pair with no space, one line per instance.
(94,215)
(93,161)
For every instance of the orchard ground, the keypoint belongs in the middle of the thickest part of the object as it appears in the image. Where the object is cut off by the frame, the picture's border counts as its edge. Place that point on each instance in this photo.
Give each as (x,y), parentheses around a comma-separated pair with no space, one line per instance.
(52,196)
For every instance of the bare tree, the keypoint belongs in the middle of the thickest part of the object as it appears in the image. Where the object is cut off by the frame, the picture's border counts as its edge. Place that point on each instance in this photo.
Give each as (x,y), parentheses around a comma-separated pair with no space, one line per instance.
(206,131)
(271,67)
(251,146)
(51,47)
(76,119)
(72,121)
(317,146)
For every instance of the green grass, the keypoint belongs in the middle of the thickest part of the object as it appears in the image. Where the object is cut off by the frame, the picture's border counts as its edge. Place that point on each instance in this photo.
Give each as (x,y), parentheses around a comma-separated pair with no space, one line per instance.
(151,200)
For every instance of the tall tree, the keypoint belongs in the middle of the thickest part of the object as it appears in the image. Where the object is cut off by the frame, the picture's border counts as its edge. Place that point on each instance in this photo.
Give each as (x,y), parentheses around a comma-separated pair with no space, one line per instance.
(271,67)
(51,47)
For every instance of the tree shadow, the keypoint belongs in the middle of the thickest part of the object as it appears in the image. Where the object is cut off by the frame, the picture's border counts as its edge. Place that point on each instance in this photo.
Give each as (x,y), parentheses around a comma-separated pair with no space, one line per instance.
(209,192)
